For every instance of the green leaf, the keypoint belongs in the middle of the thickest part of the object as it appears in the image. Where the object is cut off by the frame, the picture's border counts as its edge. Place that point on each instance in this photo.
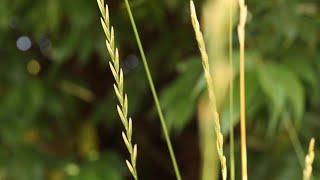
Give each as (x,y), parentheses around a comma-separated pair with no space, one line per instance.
(64,48)
(305,68)
(253,100)
(302,68)
(252,97)
(284,91)
(178,99)
(22,163)
(109,166)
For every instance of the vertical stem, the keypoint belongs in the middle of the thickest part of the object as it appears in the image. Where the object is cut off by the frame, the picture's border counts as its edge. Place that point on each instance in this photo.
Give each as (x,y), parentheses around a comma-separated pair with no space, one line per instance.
(154,93)
(242,115)
(209,165)
(294,139)
(232,166)
(241,34)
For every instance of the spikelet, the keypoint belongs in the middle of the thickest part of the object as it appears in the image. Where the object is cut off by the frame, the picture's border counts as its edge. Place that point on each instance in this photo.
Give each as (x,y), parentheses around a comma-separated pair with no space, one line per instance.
(307,172)
(117,73)
(205,63)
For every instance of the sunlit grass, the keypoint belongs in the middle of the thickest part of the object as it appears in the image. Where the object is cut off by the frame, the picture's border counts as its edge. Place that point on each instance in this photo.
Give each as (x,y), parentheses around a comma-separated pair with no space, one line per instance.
(206,68)
(117,73)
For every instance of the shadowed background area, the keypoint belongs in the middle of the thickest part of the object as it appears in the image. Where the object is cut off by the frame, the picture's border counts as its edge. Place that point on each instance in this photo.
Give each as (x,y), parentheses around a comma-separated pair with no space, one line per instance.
(58,117)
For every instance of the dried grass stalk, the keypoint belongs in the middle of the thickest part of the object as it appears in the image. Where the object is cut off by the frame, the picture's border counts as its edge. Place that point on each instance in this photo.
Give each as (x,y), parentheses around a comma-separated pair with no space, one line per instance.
(241,34)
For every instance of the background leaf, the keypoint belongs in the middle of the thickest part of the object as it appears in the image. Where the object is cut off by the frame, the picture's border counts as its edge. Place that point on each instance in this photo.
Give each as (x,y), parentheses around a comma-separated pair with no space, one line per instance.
(179,98)
(283,88)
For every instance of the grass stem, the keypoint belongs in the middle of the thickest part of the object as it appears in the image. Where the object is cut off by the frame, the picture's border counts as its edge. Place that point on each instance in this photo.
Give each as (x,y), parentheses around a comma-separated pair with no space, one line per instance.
(293,136)
(232,165)
(241,34)
(154,93)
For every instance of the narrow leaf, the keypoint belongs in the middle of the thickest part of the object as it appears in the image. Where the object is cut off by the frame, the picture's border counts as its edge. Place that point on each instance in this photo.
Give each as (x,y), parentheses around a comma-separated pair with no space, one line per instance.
(134,155)
(110,51)
(125,105)
(121,82)
(130,168)
(101,7)
(118,94)
(122,117)
(112,43)
(105,29)
(126,141)
(130,129)
(116,60)
(115,75)
(106,18)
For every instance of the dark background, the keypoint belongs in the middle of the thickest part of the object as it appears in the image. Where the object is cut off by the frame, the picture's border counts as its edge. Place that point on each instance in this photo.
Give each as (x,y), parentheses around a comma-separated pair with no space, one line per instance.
(58,116)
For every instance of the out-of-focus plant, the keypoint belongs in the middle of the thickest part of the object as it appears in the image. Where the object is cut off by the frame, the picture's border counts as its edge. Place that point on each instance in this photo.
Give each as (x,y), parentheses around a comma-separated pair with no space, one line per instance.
(58,90)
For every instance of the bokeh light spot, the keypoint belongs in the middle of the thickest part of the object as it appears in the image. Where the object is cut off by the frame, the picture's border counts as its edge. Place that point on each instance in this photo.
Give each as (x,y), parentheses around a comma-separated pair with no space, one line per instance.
(33,67)
(72,169)
(23,43)
(131,61)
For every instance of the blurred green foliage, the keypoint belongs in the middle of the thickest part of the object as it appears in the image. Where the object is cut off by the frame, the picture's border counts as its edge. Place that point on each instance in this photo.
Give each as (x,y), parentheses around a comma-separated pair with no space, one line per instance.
(51,131)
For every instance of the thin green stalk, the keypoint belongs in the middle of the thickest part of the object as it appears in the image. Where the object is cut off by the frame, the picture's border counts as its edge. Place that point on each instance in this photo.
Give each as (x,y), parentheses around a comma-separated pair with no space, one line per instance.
(232,166)
(154,93)
(294,140)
